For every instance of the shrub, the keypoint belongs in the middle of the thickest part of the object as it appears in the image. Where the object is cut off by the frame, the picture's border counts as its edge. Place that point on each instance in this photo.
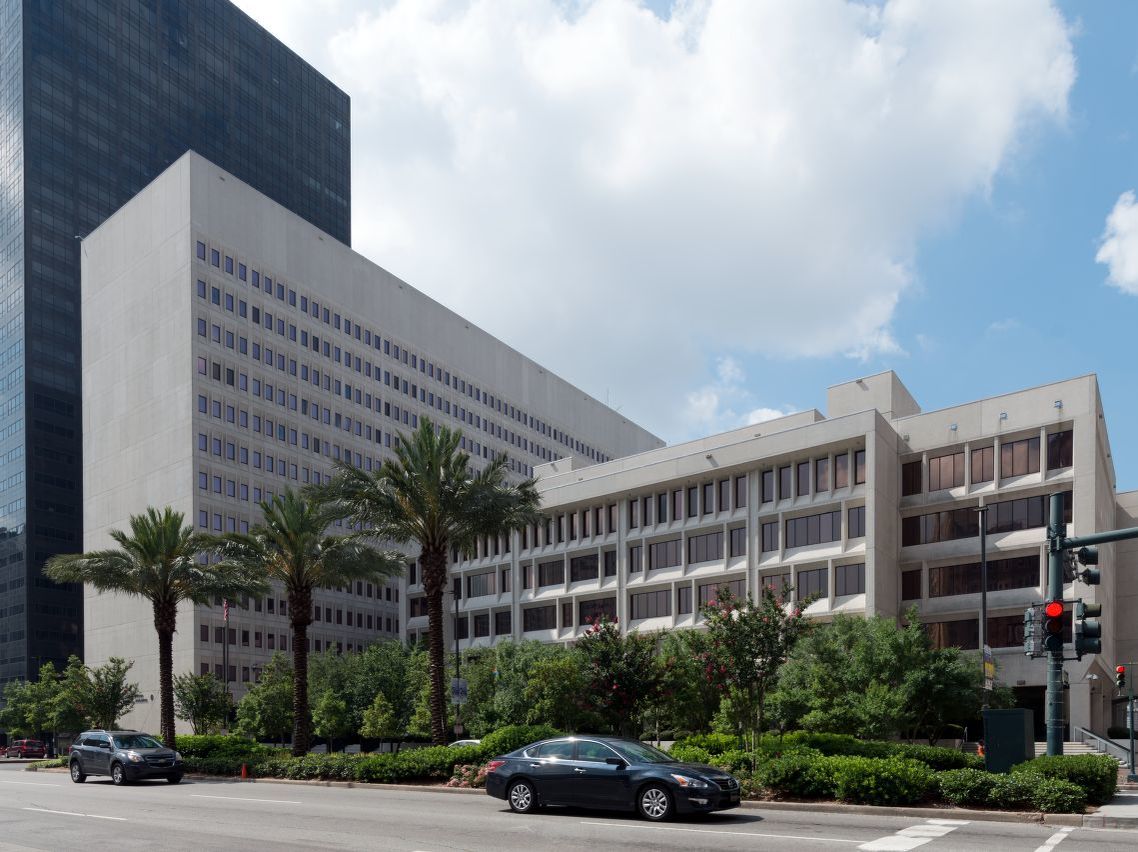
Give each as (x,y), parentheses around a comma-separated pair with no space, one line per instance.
(876,781)
(711,743)
(1096,774)
(1013,792)
(1055,796)
(512,737)
(53,763)
(750,786)
(801,774)
(690,754)
(939,759)
(468,775)
(966,787)
(838,744)
(218,745)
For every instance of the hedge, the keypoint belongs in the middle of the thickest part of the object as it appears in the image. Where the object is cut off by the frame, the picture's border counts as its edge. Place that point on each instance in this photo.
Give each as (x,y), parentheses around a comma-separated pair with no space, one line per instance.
(873,781)
(512,737)
(800,774)
(1097,774)
(966,787)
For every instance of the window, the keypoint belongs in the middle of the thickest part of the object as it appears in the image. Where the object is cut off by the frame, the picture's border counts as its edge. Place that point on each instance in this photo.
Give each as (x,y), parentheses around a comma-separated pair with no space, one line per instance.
(583,567)
(738,541)
(740,492)
(635,558)
(633,513)
(506,581)
(859,467)
(480,584)
(911,585)
(1019,458)
(677,505)
(683,600)
(856,520)
(610,563)
(803,477)
(708,506)
(768,486)
(785,483)
(821,475)
(842,470)
(813,529)
(1020,572)
(665,554)
(662,508)
(849,579)
(481,625)
(812,583)
(693,498)
(592,611)
(502,626)
(940,526)
(946,471)
(204,633)
(1060,448)
(983,464)
(710,592)
(650,604)
(539,618)
(770,537)
(705,548)
(461,627)
(911,478)
(724,495)
(567,614)
(778,584)
(551,573)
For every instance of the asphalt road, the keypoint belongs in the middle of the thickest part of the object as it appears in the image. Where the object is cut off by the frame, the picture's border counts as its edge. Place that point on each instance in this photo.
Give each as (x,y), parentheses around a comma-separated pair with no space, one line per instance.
(47,811)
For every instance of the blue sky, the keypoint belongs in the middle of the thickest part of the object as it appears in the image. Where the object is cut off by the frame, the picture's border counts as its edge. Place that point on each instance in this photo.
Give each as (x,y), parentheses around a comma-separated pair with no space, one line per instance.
(707,212)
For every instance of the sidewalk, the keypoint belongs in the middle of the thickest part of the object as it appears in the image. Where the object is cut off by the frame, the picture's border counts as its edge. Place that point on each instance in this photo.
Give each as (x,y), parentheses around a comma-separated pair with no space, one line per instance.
(1121,812)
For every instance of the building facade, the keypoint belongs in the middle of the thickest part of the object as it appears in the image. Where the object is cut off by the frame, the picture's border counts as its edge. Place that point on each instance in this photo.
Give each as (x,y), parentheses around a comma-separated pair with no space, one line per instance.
(871,510)
(231,350)
(97,97)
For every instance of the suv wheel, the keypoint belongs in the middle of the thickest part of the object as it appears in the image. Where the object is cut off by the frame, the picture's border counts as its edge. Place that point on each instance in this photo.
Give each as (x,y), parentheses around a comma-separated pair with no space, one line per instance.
(176,778)
(118,775)
(77,773)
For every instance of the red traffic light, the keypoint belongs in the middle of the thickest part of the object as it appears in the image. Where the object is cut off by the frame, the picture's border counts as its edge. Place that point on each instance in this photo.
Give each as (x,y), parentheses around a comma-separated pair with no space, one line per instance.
(1120,669)
(1053,609)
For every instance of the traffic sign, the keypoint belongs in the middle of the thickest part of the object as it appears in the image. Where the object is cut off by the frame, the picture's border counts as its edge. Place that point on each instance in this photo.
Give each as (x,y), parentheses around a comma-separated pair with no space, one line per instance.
(458,690)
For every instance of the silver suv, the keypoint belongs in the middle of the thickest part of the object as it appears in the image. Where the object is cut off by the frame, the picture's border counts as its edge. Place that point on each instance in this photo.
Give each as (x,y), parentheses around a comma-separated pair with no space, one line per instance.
(124,755)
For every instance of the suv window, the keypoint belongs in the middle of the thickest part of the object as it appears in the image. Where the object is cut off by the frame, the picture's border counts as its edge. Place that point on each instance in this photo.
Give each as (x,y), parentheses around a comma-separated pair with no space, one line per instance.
(136,741)
(595,752)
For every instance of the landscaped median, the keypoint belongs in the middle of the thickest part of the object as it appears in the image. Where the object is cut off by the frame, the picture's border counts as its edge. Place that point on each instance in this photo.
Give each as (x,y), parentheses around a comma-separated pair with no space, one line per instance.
(798,766)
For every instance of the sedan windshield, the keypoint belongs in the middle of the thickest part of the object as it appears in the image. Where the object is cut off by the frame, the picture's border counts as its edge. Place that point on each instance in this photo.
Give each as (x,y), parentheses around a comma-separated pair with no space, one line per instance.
(137,741)
(641,753)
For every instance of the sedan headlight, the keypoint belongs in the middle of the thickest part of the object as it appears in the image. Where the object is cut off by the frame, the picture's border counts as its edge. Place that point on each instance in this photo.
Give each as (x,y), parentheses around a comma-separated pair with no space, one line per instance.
(134,757)
(689,782)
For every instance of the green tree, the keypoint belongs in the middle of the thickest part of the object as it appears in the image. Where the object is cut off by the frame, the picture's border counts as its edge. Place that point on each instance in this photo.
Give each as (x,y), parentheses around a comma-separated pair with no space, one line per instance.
(99,695)
(621,675)
(266,710)
(555,690)
(688,701)
(429,495)
(159,560)
(292,546)
(380,722)
(747,644)
(19,708)
(202,700)
(330,718)
(497,679)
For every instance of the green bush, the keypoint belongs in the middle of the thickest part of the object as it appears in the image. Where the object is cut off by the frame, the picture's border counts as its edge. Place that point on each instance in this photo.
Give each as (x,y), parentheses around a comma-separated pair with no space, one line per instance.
(1055,796)
(877,781)
(966,787)
(1096,774)
(1014,792)
(690,754)
(53,763)
(800,774)
(938,759)
(512,737)
(838,744)
(711,743)
(218,745)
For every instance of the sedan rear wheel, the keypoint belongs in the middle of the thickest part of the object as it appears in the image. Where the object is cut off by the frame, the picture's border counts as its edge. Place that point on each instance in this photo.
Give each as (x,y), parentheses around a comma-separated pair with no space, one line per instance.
(521,797)
(654,803)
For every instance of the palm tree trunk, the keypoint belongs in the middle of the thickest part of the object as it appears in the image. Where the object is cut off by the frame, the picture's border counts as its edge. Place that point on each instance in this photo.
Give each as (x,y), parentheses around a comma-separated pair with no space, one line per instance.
(165,622)
(300,614)
(434,567)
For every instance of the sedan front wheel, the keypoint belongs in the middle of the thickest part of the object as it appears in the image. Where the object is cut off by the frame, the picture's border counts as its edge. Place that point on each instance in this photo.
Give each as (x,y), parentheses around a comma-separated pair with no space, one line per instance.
(521,797)
(654,803)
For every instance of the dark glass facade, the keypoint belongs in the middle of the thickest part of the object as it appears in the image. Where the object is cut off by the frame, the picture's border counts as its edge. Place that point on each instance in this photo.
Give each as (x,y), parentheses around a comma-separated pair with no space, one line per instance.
(97,97)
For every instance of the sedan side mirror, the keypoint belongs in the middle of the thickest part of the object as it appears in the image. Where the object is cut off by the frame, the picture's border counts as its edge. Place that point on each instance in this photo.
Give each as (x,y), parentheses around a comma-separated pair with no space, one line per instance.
(615,761)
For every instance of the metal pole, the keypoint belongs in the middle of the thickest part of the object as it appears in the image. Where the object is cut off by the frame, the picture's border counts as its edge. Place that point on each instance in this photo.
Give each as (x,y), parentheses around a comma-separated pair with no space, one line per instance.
(984,650)
(457,659)
(1055,534)
(1130,726)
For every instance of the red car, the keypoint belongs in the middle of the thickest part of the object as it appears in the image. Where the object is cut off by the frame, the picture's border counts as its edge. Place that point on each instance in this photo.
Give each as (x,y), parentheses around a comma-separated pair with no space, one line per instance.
(26,748)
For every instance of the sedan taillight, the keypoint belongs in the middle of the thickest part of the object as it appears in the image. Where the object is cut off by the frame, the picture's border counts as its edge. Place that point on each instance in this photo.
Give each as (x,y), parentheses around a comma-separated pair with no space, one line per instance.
(494,764)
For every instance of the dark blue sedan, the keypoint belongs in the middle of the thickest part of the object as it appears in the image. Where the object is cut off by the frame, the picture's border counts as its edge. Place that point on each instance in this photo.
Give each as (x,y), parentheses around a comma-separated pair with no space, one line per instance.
(611,773)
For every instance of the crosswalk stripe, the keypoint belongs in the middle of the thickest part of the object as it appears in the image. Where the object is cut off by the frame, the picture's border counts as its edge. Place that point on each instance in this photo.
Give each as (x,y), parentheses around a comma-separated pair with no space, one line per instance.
(915,835)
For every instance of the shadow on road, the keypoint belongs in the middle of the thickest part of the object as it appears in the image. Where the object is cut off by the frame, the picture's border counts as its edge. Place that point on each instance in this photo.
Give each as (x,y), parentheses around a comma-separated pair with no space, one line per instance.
(720,818)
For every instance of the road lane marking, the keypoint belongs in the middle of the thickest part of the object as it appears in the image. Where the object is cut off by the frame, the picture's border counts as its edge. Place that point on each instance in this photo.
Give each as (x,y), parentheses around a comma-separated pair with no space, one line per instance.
(244,799)
(913,836)
(1055,839)
(73,813)
(32,783)
(713,831)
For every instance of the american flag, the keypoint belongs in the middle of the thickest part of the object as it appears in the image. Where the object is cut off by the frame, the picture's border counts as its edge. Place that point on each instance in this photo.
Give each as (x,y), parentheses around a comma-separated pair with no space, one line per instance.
(225,610)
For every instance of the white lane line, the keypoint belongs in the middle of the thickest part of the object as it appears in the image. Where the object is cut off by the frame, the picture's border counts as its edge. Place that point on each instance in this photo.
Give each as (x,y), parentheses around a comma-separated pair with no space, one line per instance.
(73,813)
(714,831)
(1055,839)
(244,799)
(914,836)
(32,783)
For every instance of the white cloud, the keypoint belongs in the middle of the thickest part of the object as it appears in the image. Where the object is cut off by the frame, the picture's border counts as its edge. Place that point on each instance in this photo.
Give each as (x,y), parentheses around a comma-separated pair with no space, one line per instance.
(725,403)
(1002,326)
(1119,249)
(618,194)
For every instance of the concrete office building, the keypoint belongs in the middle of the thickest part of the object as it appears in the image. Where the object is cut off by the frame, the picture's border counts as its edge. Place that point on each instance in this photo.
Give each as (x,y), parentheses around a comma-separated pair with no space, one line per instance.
(97,97)
(871,508)
(232,349)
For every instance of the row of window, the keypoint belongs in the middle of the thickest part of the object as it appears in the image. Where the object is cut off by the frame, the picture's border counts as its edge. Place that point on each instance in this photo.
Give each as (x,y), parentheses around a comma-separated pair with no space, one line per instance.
(815,476)
(814,529)
(1005,516)
(1017,458)
(1018,572)
(694,501)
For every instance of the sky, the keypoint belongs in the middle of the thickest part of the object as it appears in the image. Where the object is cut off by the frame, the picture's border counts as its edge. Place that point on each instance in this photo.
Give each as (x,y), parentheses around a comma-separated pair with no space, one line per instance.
(706,212)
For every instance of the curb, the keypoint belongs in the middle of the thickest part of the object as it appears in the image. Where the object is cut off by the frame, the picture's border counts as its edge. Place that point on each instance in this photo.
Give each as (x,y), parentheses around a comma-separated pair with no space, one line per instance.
(1077,820)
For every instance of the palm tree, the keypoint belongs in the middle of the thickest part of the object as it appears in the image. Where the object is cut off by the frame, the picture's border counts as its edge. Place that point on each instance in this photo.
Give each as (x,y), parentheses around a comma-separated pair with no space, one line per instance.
(160,560)
(293,546)
(429,494)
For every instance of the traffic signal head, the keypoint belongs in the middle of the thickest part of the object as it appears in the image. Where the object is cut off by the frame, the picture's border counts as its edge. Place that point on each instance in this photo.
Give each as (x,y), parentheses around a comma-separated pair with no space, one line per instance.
(1087,555)
(1053,626)
(1088,632)
(1120,677)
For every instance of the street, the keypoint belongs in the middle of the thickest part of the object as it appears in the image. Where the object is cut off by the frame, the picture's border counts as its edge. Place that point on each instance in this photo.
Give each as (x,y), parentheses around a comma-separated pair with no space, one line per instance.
(47,811)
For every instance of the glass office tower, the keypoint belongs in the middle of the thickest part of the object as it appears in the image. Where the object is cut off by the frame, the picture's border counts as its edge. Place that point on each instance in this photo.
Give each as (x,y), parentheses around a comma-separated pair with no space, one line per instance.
(97,97)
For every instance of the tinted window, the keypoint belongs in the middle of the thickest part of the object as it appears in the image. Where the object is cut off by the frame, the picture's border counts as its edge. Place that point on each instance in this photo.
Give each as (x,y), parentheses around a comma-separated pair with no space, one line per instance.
(640,753)
(598,752)
(137,741)
(559,749)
